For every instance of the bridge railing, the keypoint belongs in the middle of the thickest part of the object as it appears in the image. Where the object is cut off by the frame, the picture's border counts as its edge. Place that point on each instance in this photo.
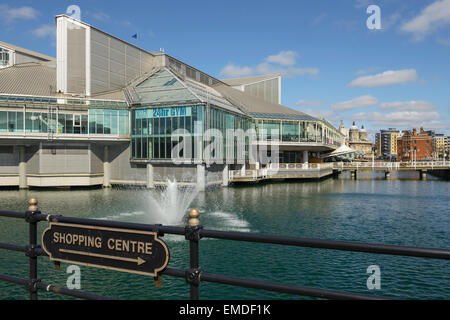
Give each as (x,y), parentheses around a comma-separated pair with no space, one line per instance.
(392,165)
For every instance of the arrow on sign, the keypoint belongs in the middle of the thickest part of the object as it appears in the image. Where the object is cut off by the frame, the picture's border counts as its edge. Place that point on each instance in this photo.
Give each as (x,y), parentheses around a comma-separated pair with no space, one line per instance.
(139,260)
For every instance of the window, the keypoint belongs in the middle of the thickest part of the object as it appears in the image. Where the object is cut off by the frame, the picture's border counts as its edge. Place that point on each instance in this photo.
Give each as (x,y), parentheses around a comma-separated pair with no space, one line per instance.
(110,121)
(4,57)
(290,131)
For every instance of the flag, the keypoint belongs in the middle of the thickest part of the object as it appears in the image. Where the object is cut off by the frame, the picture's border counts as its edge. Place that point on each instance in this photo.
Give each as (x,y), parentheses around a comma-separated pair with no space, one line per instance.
(134,36)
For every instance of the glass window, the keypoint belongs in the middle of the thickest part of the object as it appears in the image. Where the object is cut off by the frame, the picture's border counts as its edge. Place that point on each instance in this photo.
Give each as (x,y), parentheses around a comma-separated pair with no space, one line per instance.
(272,130)
(168,126)
(138,148)
(99,123)
(107,121)
(84,124)
(19,121)
(156,148)
(44,122)
(290,131)
(3,121)
(162,148)
(68,127)
(36,123)
(114,122)
(144,148)
(92,122)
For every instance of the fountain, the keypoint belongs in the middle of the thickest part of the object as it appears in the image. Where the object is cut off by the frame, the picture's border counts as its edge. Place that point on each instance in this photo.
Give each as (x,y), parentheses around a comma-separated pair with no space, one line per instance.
(170,204)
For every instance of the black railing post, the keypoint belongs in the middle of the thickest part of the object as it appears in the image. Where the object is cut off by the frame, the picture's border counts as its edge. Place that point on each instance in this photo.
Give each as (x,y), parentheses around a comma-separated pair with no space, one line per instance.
(30,217)
(192,233)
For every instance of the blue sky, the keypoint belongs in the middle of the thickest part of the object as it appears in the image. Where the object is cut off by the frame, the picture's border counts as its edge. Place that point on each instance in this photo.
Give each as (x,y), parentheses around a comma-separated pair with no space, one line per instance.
(332,64)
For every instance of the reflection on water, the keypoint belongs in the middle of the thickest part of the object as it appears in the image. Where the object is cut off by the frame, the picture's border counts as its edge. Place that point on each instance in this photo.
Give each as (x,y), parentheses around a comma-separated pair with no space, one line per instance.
(399,211)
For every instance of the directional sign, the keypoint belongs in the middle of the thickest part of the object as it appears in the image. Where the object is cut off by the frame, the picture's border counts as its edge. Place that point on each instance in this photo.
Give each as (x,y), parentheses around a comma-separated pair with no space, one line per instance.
(132,251)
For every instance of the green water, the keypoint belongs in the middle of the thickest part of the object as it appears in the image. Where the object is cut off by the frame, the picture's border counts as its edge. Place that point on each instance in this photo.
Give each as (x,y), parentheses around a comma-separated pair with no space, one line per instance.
(400,212)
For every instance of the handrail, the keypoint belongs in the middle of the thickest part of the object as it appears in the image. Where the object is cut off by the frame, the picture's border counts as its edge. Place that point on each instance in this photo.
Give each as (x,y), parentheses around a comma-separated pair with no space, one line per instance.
(195,275)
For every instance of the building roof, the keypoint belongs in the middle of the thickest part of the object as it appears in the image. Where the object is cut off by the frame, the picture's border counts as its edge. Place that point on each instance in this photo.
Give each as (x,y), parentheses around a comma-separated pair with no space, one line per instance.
(111,95)
(163,86)
(28,79)
(37,79)
(259,108)
(249,80)
(26,51)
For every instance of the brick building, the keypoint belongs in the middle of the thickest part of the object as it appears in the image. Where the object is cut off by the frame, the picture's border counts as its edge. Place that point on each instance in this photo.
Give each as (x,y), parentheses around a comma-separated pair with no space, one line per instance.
(415,146)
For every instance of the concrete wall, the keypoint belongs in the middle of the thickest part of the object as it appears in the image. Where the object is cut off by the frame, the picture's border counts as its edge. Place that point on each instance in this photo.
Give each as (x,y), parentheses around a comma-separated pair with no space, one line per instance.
(9,160)
(64,158)
(181,173)
(82,164)
(214,174)
(122,171)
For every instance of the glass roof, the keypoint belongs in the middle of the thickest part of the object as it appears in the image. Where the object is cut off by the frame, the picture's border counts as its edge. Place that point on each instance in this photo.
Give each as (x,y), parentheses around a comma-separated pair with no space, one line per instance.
(260,115)
(163,87)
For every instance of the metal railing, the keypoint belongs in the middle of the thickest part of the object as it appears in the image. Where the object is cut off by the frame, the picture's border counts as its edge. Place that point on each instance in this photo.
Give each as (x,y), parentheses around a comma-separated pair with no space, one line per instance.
(279,168)
(194,275)
(393,165)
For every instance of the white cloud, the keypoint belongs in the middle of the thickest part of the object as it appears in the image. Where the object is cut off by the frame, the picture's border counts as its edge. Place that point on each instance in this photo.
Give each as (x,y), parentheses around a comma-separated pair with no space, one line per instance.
(408,105)
(363,101)
(284,58)
(282,63)
(9,14)
(399,118)
(231,70)
(45,30)
(386,78)
(432,17)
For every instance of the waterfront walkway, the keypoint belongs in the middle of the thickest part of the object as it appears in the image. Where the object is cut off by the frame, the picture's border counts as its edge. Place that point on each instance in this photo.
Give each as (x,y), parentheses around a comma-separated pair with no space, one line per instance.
(321,170)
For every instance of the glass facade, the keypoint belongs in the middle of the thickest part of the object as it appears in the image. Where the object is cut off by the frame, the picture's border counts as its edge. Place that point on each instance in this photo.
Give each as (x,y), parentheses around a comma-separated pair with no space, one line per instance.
(11,121)
(152,129)
(291,131)
(297,131)
(99,121)
(225,122)
(108,121)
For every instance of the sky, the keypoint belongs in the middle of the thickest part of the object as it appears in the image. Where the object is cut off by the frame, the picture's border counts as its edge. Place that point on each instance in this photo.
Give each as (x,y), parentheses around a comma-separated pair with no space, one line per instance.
(382,67)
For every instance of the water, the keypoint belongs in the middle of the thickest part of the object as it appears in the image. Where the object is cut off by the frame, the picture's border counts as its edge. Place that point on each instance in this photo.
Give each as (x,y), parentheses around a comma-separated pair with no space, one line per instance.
(399,212)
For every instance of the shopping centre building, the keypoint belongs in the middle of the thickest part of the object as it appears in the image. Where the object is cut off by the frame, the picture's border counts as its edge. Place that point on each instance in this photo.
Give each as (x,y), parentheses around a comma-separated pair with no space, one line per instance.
(104,112)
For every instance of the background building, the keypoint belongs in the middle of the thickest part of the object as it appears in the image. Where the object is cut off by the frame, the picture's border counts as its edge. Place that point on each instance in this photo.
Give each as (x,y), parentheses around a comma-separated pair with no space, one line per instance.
(358,140)
(386,143)
(439,141)
(413,146)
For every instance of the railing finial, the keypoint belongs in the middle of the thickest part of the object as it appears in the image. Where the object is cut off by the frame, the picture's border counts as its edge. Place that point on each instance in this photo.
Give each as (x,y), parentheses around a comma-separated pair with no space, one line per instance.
(193,217)
(32,204)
